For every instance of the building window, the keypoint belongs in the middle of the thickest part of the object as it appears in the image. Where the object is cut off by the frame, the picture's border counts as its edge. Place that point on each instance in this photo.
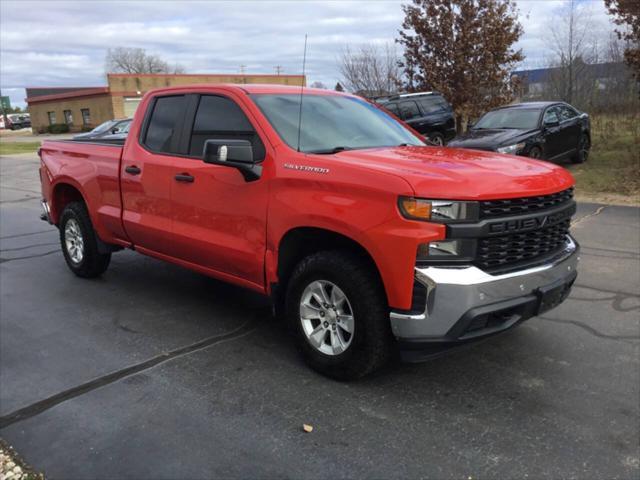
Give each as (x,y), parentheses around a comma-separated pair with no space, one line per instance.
(68,117)
(52,117)
(86,116)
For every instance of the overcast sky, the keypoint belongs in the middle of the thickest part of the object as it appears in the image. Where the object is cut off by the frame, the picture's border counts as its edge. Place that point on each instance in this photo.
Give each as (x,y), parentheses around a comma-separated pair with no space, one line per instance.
(63,43)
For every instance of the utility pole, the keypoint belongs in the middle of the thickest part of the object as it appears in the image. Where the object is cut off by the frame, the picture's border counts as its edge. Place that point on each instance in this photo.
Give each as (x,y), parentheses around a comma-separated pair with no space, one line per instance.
(278,69)
(242,67)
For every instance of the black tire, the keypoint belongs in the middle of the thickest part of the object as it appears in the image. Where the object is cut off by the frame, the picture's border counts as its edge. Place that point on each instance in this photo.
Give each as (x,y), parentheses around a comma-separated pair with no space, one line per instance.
(436,138)
(582,155)
(372,343)
(536,153)
(93,263)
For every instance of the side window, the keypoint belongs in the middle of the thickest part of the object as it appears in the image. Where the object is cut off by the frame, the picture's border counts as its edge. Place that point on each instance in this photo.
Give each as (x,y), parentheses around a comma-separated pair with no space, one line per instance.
(567,113)
(221,118)
(431,104)
(393,108)
(551,115)
(164,125)
(409,110)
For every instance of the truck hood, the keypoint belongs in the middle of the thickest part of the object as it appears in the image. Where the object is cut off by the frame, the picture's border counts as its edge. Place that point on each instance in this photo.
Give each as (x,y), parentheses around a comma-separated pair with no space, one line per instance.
(459,174)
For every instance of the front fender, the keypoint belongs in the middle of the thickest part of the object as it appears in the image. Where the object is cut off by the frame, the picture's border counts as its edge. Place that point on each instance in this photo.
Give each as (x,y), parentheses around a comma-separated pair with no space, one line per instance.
(361,212)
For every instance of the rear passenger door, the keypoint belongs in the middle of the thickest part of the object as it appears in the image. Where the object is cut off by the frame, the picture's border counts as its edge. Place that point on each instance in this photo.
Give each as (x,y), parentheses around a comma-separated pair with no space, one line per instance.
(147,175)
(410,113)
(219,219)
(437,115)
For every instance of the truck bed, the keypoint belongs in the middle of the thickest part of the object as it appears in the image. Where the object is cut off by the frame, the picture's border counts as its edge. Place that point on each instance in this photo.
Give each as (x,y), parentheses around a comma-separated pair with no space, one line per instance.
(93,168)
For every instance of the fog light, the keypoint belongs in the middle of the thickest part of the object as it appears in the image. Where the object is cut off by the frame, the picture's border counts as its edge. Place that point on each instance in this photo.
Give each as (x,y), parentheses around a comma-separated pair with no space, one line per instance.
(439,250)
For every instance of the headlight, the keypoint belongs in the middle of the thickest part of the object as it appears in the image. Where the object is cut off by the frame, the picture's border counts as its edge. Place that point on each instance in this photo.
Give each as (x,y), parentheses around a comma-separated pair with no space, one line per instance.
(446,249)
(511,149)
(437,210)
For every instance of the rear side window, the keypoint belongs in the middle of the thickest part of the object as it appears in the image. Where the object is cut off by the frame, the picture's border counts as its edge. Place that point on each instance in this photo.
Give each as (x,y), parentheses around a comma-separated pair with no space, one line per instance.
(165,124)
(221,118)
(409,110)
(433,104)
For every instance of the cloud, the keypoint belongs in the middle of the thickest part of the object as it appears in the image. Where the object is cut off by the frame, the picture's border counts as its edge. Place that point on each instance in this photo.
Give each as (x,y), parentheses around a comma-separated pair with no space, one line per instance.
(63,43)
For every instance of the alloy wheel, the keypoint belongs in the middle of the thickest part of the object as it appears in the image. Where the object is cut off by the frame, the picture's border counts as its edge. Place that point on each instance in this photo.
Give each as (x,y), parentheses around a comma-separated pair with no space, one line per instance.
(326,317)
(74,243)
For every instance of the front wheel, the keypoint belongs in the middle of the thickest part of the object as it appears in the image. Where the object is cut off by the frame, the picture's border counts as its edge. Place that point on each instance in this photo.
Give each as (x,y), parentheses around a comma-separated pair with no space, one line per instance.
(79,243)
(337,310)
(535,152)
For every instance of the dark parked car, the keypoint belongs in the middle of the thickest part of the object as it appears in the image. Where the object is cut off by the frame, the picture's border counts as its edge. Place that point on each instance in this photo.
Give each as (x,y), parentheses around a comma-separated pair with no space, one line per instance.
(16,121)
(428,113)
(109,130)
(547,130)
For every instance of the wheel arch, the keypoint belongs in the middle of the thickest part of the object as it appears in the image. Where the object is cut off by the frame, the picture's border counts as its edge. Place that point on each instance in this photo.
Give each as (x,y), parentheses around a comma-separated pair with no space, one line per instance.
(63,193)
(299,242)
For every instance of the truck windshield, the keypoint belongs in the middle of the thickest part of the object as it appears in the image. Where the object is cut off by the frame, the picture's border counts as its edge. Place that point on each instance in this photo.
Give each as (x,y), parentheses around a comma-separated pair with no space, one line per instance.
(332,123)
(518,118)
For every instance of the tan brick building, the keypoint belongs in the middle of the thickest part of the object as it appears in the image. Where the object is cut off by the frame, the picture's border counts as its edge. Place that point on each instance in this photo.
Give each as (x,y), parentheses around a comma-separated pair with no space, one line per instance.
(86,107)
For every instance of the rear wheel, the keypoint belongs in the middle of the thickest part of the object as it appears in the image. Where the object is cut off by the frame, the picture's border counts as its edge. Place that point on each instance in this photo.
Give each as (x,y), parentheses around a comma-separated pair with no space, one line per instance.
(436,138)
(582,155)
(79,243)
(337,310)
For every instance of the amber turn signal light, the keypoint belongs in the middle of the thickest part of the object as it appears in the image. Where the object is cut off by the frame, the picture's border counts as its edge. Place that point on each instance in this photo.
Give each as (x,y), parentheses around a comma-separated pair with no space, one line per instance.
(415,208)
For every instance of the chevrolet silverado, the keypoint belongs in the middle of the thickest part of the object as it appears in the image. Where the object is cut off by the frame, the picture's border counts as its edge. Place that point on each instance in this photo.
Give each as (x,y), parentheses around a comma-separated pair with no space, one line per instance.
(368,241)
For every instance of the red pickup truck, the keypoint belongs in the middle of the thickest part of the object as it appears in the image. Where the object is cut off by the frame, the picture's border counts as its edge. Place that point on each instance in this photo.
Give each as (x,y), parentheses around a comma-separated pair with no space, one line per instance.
(368,241)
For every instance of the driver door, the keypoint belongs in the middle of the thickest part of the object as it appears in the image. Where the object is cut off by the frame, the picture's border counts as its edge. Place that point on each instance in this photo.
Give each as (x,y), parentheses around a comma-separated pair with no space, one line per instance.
(219,218)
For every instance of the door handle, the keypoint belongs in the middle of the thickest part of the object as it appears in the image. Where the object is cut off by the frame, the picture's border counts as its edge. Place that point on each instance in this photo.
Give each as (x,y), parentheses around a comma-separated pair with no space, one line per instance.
(133,170)
(184,177)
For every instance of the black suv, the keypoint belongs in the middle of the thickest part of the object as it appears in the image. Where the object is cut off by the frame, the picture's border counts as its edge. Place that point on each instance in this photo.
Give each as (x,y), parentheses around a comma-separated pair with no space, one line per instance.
(428,113)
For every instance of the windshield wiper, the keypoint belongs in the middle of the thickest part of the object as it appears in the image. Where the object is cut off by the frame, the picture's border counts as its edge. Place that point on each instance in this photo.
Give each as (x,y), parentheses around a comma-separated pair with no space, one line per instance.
(330,151)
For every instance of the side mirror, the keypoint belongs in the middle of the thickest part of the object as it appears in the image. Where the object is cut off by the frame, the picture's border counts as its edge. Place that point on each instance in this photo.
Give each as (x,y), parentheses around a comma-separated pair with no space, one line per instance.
(233,153)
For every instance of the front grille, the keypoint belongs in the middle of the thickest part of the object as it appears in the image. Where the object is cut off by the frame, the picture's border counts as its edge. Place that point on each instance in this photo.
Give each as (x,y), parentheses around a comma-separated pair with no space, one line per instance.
(518,206)
(498,253)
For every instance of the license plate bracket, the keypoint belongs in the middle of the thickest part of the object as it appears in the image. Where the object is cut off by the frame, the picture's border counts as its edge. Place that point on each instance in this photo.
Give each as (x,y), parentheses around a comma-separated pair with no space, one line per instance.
(552,295)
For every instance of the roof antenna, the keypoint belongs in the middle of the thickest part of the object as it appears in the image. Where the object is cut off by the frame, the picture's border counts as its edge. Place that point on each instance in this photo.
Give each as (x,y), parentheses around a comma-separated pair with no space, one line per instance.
(304,64)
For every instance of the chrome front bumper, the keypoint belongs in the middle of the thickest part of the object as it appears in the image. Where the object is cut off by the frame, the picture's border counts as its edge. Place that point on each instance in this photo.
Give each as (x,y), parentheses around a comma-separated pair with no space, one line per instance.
(456,293)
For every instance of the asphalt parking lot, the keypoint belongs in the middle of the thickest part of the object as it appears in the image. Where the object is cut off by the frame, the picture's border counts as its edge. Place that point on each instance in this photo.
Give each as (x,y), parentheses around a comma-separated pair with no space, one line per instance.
(156,372)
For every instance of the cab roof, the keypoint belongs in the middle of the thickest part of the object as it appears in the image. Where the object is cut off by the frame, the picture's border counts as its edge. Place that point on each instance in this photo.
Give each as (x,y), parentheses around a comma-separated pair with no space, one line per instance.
(257,88)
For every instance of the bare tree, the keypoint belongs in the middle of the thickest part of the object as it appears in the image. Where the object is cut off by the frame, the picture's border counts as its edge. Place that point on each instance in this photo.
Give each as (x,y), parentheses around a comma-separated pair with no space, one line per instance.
(137,60)
(370,70)
(318,84)
(569,43)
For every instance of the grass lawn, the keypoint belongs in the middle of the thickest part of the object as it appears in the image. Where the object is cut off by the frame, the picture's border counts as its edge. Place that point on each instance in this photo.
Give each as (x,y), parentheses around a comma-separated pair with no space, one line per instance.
(614,162)
(11,148)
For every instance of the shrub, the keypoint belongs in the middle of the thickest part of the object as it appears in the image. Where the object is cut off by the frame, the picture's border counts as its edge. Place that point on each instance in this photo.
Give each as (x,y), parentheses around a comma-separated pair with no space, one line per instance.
(58,128)
(86,128)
